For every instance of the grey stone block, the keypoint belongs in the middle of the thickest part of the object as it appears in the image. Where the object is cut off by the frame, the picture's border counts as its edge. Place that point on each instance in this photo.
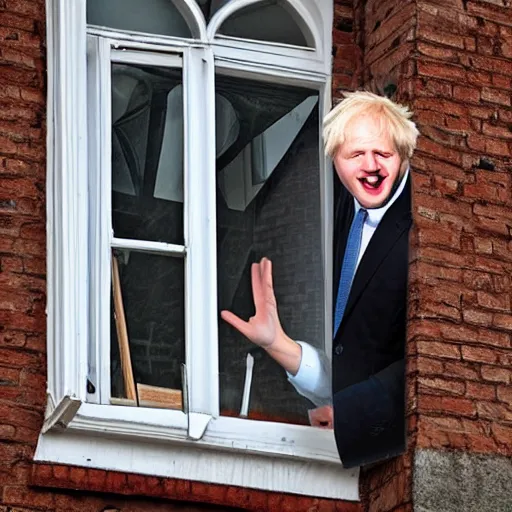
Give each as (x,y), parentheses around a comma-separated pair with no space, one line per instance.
(461,482)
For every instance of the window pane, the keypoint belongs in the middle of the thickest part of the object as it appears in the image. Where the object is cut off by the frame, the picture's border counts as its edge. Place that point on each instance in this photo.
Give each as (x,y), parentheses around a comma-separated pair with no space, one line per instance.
(151,16)
(147,153)
(152,290)
(268,204)
(210,7)
(271,21)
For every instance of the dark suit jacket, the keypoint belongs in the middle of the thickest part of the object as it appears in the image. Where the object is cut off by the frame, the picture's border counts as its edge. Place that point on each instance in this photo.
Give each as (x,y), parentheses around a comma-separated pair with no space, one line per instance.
(368,349)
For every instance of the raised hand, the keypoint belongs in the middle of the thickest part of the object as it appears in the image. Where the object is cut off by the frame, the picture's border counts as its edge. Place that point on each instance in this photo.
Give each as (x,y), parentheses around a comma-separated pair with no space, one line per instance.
(264,328)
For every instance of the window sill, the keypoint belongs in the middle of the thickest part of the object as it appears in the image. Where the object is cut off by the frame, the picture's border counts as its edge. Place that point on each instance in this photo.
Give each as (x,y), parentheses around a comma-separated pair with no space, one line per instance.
(226,455)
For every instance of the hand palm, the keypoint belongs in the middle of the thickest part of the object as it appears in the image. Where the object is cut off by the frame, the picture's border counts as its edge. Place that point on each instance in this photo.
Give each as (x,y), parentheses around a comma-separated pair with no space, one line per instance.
(263,327)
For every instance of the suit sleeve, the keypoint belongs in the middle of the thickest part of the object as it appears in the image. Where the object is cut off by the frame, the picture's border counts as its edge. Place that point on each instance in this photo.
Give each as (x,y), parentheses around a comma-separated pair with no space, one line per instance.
(369,420)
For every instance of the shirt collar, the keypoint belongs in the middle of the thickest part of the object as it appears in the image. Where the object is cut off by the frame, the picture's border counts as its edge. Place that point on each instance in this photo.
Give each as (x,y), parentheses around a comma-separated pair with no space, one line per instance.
(375,215)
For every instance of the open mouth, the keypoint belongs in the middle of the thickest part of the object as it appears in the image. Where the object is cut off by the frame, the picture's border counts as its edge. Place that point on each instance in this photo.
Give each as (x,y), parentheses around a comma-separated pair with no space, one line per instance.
(373,182)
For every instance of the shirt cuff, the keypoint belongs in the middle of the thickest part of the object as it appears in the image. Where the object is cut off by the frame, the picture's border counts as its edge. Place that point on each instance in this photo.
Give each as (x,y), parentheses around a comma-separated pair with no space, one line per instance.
(312,380)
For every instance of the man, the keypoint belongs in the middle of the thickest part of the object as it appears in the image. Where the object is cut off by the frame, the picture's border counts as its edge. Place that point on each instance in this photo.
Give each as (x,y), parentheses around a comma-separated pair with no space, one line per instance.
(370,140)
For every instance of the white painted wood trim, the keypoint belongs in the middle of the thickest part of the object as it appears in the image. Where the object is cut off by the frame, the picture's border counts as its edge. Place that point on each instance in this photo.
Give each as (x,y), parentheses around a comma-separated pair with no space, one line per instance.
(67,209)
(194,17)
(100,224)
(146,58)
(161,248)
(193,462)
(297,8)
(269,63)
(202,353)
(223,433)
(58,417)
(326,200)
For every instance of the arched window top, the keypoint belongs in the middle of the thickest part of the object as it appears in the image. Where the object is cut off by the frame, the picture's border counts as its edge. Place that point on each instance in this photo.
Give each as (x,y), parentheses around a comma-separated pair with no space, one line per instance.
(160,17)
(275,21)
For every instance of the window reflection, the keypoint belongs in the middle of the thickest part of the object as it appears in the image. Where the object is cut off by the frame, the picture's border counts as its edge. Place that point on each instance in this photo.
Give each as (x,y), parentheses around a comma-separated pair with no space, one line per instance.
(150,16)
(270,21)
(147,153)
(268,204)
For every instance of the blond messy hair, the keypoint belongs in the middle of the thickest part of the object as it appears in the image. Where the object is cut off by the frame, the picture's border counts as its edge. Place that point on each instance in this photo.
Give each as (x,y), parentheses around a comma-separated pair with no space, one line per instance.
(394,118)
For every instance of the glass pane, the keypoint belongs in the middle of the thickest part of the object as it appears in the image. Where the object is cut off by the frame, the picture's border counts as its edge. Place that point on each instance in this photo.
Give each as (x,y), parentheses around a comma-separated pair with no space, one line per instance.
(268,204)
(147,153)
(271,21)
(150,16)
(210,7)
(152,291)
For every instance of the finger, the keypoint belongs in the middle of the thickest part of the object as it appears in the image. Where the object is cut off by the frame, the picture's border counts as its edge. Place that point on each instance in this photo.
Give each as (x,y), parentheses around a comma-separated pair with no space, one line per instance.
(240,325)
(268,281)
(257,289)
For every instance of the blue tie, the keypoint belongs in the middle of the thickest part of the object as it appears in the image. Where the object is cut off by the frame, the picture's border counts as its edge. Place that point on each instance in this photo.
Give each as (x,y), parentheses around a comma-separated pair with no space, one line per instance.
(348,268)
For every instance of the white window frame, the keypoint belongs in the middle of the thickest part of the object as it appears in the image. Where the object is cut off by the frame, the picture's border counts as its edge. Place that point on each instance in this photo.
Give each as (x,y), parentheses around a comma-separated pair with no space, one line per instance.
(81,428)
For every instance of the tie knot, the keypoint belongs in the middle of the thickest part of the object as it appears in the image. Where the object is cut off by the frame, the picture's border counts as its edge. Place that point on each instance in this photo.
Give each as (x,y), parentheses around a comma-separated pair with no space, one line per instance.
(361,215)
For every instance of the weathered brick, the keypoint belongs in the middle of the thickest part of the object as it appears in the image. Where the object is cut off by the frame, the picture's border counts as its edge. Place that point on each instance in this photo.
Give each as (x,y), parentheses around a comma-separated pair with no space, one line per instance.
(446,405)
(440,386)
(496,374)
(479,354)
(502,321)
(480,391)
(494,302)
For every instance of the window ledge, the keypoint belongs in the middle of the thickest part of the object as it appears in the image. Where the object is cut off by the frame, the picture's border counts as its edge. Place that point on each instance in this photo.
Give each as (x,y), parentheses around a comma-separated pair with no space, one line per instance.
(160,458)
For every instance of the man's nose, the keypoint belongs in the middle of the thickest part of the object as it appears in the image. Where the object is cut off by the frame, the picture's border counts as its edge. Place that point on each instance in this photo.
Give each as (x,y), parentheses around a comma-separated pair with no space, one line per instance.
(370,163)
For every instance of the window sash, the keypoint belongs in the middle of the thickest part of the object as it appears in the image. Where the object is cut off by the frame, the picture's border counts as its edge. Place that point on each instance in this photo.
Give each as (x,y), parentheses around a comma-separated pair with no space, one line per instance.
(201,338)
(199,218)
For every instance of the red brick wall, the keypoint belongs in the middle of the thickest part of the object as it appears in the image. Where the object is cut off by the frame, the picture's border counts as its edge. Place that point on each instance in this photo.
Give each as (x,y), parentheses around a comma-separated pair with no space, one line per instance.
(451,62)
(462,311)
(24,486)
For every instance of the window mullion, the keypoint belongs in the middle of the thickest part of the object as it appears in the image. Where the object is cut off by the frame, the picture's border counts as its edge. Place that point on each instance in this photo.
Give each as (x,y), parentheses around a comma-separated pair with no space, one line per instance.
(100,224)
(200,233)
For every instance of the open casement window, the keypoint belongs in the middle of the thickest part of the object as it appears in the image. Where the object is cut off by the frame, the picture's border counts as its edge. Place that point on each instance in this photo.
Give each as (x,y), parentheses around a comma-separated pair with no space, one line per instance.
(183,146)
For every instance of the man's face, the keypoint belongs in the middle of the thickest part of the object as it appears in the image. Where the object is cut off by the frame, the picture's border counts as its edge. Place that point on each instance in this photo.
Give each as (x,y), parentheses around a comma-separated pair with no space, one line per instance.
(368,164)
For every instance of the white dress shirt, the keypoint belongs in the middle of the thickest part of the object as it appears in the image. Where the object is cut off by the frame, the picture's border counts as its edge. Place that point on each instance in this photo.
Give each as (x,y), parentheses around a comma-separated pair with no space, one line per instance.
(313,379)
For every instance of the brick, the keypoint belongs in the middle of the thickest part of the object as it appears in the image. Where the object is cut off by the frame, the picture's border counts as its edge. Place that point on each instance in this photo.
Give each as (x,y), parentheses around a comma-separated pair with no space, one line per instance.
(467,370)
(466,93)
(481,443)
(437,52)
(480,391)
(502,433)
(440,237)
(438,349)
(486,191)
(505,394)
(440,386)
(427,366)
(502,321)
(446,405)
(441,37)
(487,145)
(496,374)
(459,333)
(477,317)
(494,302)
(479,354)
(478,280)
(15,495)
(493,411)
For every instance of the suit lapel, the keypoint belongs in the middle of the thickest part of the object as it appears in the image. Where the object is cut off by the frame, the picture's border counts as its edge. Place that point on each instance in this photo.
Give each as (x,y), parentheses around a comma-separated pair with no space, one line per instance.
(396,220)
